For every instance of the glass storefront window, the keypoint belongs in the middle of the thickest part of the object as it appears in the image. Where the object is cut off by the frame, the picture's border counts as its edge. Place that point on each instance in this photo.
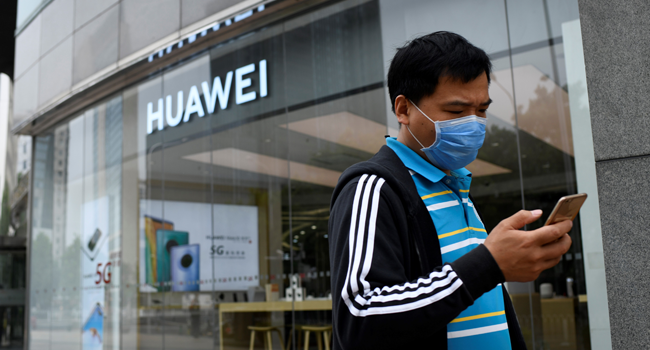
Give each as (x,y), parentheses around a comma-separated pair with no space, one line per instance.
(76,207)
(191,209)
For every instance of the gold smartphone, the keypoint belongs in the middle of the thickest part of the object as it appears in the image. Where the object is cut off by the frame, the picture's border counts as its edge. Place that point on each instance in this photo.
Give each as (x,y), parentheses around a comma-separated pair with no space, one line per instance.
(566,208)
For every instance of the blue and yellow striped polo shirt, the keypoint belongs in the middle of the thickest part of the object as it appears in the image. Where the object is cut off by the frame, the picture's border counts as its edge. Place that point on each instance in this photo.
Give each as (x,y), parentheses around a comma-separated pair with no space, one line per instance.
(482,325)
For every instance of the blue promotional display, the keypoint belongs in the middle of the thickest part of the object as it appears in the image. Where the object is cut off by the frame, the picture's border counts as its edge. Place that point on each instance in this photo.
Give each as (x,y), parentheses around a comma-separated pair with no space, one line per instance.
(165,241)
(224,251)
(93,329)
(184,266)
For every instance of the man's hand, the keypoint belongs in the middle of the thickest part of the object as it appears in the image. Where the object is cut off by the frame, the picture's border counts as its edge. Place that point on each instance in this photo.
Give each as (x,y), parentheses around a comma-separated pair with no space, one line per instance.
(523,255)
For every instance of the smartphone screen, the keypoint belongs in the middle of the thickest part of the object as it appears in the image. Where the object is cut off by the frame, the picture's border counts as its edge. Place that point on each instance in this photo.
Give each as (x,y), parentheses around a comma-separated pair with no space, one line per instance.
(94,239)
(567,208)
(184,263)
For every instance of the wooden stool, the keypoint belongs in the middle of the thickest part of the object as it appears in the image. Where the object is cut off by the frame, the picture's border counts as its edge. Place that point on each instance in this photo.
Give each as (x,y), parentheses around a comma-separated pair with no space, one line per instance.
(326,331)
(268,342)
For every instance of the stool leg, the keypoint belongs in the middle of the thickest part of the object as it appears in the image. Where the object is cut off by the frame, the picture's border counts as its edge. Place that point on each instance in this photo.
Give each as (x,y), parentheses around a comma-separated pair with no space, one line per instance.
(289,340)
(326,337)
(269,340)
(252,347)
(319,341)
(306,340)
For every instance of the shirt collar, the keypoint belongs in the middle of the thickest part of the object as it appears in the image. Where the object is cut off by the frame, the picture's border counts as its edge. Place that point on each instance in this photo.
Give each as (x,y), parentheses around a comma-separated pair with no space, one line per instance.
(462,172)
(414,162)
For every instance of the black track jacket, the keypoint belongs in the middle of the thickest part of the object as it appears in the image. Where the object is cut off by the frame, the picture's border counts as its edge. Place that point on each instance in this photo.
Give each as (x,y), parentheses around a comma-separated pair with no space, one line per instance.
(390,289)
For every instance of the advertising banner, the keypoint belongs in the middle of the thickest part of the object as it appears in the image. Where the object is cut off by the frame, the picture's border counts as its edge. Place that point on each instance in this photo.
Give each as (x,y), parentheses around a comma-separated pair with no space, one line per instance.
(95,272)
(197,244)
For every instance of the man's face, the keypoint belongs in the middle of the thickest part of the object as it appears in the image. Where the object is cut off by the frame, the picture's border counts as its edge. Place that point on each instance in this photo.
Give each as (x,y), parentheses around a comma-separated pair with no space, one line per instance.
(452,99)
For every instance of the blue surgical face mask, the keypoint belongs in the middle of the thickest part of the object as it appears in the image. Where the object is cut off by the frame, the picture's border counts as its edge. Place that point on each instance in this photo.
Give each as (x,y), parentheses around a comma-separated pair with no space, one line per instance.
(457,141)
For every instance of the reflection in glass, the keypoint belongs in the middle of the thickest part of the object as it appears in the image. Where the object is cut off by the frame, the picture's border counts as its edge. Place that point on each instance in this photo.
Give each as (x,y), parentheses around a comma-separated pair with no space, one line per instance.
(557,299)
(75,273)
(205,189)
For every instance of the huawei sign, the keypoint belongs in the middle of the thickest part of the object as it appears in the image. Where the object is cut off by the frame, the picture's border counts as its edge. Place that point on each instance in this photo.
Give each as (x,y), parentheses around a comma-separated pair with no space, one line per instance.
(220,90)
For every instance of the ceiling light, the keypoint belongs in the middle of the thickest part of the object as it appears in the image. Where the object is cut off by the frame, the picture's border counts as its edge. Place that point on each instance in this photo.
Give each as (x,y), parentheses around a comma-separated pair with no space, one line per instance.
(259,163)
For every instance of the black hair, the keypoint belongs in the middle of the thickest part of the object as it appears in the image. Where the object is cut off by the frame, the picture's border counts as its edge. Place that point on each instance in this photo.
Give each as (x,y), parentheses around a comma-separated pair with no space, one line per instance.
(418,66)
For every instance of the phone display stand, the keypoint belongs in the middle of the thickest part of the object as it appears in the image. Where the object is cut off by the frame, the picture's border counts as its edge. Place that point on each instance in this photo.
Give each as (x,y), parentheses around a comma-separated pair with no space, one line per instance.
(295,292)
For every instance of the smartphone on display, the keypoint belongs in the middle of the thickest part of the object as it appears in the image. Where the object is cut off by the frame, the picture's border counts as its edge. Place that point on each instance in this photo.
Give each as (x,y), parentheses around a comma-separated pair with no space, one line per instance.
(151,226)
(165,241)
(566,208)
(94,239)
(184,266)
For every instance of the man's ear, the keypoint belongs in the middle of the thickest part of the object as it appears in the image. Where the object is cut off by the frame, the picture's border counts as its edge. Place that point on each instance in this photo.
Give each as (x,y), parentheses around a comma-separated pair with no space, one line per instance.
(402,109)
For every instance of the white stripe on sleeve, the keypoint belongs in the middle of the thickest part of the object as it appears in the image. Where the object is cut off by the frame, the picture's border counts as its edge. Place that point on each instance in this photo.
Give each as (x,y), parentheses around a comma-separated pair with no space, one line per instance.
(352,233)
(407,306)
(354,283)
(403,297)
(371,236)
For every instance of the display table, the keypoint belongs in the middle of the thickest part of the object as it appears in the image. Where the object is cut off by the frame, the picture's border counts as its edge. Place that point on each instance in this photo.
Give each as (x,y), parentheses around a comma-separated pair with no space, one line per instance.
(307,305)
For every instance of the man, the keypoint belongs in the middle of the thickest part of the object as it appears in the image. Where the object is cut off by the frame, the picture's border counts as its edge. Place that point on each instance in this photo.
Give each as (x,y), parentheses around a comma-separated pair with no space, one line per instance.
(413,266)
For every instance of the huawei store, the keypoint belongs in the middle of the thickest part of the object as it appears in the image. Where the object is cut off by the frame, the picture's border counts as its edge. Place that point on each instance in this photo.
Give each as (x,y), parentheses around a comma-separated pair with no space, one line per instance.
(190,208)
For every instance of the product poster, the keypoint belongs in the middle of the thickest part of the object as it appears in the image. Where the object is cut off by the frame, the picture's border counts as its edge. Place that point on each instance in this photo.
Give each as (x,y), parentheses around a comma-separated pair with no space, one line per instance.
(95,273)
(185,252)
(93,329)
